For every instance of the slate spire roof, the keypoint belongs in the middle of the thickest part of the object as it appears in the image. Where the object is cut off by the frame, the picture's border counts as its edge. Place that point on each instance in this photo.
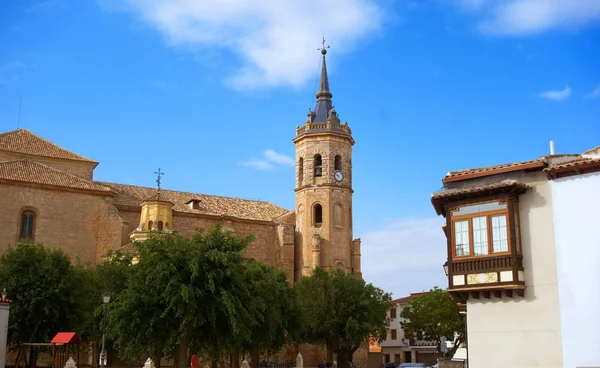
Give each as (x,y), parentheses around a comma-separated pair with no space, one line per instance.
(324,95)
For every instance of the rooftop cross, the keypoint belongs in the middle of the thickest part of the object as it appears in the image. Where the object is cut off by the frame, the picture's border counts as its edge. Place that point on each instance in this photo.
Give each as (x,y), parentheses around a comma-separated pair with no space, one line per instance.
(323,48)
(158,175)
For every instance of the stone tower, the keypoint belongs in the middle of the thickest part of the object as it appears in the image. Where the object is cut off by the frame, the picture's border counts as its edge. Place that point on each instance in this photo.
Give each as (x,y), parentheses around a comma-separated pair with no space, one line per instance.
(324,189)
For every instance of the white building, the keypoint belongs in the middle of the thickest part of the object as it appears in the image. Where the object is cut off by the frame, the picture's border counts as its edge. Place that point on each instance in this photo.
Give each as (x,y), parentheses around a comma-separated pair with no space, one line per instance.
(398,347)
(524,255)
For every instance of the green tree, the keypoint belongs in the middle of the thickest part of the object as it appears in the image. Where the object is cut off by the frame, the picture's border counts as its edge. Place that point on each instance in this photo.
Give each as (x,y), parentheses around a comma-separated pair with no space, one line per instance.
(340,311)
(273,305)
(435,314)
(49,293)
(184,295)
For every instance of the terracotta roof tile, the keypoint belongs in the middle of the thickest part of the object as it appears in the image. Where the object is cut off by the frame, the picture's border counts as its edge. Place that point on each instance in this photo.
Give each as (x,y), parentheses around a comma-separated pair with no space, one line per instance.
(480,188)
(406,299)
(34,172)
(443,196)
(574,164)
(131,195)
(24,142)
(489,170)
(129,248)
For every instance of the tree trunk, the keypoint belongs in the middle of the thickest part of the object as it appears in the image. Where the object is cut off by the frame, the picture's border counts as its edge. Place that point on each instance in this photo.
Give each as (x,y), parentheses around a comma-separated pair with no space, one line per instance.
(181,356)
(329,354)
(33,353)
(254,358)
(214,363)
(235,358)
(343,358)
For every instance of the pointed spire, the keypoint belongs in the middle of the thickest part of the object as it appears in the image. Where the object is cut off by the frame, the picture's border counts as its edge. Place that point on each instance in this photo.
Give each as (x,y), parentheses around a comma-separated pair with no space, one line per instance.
(324,95)
(324,92)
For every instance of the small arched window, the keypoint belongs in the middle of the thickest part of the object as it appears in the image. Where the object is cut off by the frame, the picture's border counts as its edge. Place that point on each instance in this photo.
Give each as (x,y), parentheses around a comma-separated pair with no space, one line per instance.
(318,215)
(338,162)
(300,171)
(318,166)
(167,226)
(160,226)
(150,223)
(27,225)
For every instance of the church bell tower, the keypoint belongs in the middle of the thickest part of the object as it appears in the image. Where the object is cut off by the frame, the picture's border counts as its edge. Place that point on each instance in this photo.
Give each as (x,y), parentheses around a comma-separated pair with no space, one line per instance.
(324,189)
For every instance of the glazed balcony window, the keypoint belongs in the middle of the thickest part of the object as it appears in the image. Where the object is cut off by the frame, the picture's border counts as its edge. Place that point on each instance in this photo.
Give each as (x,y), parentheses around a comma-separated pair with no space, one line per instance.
(481,229)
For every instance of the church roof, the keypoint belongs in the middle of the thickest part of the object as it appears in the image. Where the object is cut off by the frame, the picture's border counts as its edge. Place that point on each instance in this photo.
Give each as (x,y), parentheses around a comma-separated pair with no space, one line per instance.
(131,195)
(34,172)
(24,142)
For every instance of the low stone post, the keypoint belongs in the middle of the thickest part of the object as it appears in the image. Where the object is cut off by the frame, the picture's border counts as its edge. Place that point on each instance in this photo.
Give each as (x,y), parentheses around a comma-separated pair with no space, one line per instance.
(149,363)
(245,364)
(299,361)
(70,363)
(4,312)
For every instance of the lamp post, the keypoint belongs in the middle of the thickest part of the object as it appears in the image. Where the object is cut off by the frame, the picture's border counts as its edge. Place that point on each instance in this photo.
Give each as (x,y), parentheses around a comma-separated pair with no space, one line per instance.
(466,335)
(446,268)
(105,300)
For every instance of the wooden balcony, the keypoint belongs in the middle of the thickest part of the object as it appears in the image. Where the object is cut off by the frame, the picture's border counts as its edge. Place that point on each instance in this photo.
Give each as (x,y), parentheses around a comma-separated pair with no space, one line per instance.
(478,277)
(477,265)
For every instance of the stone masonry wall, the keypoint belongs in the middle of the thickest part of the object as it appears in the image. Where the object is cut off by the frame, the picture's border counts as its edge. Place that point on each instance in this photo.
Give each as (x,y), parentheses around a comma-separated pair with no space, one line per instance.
(81,224)
(263,247)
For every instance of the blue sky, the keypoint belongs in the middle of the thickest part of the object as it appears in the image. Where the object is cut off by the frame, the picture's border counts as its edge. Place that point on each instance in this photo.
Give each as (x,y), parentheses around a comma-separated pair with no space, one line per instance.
(212,91)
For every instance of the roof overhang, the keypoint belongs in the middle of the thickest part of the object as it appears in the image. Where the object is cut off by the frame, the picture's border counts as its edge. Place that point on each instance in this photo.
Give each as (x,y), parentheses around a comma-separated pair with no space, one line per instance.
(440,199)
(584,166)
(480,173)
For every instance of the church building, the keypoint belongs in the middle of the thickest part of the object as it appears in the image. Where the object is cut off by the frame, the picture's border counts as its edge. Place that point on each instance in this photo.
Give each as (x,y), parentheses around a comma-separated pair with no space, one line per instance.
(48,195)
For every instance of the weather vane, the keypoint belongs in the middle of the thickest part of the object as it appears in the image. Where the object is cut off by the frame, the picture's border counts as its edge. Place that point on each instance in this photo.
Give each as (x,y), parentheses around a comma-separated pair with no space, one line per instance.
(158,175)
(323,48)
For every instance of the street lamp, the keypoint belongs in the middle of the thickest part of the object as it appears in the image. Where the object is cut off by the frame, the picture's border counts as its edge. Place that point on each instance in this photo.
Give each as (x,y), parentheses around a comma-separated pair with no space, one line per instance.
(105,300)
(446,268)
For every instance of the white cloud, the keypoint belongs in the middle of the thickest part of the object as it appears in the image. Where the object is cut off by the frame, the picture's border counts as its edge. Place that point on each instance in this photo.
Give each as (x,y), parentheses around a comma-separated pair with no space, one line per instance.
(273,38)
(405,256)
(278,158)
(269,161)
(594,94)
(556,95)
(518,17)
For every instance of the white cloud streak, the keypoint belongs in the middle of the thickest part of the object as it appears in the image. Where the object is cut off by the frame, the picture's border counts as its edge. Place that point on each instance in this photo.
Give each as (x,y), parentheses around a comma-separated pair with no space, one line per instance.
(558,95)
(523,17)
(273,38)
(269,161)
(405,256)
(594,94)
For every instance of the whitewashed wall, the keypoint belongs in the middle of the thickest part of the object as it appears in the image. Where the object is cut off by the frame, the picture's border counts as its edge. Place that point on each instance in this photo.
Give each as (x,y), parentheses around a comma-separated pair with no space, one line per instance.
(523,332)
(576,208)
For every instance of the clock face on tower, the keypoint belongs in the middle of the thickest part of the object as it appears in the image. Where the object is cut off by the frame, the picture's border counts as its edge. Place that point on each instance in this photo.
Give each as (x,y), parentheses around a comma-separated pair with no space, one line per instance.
(338,176)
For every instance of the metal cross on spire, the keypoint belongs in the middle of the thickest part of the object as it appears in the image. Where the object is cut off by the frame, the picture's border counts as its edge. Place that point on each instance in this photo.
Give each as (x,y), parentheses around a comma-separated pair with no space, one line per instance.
(158,175)
(323,48)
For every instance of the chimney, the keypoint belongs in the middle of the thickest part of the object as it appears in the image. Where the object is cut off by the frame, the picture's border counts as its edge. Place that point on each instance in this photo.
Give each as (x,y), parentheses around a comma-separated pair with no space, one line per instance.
(551,147)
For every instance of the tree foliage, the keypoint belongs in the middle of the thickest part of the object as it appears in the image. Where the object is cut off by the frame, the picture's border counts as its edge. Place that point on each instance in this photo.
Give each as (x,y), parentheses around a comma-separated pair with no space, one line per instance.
(340,311)
(197,293)
(435,314)
(49,293)
(273,305)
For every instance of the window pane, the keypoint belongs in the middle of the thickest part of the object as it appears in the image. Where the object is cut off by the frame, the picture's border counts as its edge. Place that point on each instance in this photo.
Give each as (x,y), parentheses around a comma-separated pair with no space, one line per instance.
(480,236)
(499,234)
(461,238)
(23,233)
(482,207)
(30,226)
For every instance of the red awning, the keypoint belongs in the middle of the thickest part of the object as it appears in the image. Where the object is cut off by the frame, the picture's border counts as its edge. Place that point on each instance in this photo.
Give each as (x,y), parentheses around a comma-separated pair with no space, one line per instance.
(66,338)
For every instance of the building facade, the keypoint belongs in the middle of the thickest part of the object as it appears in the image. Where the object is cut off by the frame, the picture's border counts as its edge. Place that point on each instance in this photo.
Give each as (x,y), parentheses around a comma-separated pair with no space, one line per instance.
(398,347)
(48,195)
(508,228)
